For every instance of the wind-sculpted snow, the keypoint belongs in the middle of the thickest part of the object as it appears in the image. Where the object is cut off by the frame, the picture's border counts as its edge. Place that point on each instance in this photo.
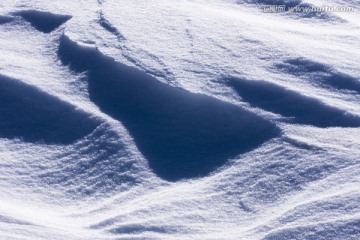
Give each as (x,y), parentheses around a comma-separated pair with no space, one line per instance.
(179,120)
(103,165)
(35,116)
(108,27)
(43,21)
(297,107)
(182,134)
(347,229)
(320,74)
(11,220)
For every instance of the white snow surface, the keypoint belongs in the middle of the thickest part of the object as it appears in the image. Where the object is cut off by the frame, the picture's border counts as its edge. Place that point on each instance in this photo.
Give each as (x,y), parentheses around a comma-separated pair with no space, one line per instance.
(301,183)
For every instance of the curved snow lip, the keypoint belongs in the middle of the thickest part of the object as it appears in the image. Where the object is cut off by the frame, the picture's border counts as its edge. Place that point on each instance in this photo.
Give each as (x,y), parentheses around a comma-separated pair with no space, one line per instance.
(45,22)
(319,73)
(181,134)
(109,27)
(298,108)
(35,116)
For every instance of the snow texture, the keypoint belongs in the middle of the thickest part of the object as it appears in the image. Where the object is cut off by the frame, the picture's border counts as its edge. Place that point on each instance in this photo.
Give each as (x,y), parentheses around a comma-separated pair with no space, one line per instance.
(186,119)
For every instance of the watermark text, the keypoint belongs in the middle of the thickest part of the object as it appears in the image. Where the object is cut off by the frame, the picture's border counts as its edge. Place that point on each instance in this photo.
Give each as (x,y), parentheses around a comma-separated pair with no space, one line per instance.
(305,9)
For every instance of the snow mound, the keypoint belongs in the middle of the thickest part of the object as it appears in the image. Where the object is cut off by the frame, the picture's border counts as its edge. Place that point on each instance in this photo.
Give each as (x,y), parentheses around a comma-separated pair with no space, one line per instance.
(182,134)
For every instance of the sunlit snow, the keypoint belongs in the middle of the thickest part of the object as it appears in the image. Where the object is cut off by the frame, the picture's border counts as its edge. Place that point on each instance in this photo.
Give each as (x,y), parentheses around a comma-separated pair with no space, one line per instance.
(188,119)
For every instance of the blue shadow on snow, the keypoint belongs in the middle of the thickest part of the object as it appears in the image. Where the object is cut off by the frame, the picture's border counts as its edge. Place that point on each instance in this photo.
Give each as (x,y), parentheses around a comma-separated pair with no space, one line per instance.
(45,22)
(299,108)
(320,73)
(182,134)
(35,116)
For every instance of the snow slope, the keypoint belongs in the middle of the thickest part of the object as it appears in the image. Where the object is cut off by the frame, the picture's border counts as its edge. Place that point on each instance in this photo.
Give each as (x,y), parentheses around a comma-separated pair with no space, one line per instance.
(186,119)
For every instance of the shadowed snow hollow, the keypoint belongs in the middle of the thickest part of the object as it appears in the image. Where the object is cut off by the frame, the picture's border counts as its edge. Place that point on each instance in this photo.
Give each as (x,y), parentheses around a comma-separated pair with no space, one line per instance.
(181,134)
(43,21)
(36,116)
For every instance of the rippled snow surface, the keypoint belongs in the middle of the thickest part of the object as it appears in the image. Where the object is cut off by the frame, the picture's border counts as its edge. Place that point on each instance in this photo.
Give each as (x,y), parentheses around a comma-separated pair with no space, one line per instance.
(186,119)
